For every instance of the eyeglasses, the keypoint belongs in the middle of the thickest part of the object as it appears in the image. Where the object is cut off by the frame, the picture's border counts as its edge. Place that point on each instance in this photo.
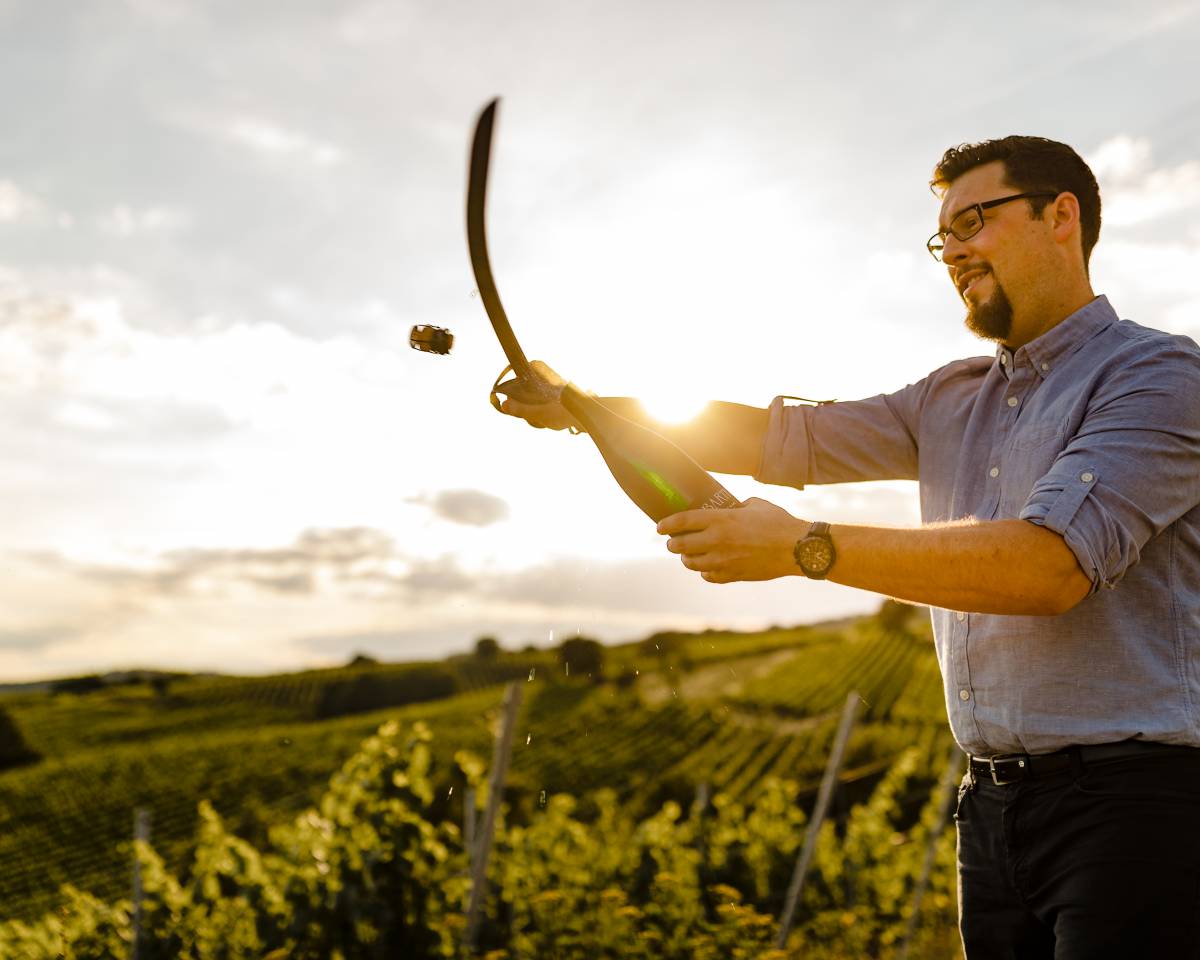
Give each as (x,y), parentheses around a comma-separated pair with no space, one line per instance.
(968,222)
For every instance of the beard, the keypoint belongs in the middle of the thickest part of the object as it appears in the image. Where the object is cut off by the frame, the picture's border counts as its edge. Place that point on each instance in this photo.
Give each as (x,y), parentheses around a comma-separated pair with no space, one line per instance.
(992,319)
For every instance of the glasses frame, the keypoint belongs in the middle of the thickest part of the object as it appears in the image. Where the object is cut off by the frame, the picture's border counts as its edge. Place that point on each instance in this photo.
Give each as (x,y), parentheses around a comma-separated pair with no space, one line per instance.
(937,243)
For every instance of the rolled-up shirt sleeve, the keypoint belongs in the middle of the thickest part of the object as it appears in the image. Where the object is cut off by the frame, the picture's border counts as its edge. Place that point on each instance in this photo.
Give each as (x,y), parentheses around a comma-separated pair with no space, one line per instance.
(871,439)
(1131,469)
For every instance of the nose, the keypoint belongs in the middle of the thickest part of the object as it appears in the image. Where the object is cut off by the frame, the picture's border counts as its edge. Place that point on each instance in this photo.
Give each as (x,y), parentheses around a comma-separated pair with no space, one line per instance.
(954,250)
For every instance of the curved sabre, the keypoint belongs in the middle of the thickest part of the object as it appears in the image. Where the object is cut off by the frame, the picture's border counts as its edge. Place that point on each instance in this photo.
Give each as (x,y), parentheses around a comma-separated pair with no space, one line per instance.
(477,177)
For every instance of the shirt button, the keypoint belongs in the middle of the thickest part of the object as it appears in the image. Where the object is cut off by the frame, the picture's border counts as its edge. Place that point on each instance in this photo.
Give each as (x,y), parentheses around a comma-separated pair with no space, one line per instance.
(1085,477)
(994,472)
(961,615)
(1045,366)
(1003,358)
(1012,401)
(964,694)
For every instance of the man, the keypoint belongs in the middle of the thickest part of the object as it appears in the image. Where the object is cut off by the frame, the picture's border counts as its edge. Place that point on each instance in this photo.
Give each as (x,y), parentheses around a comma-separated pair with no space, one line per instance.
(1059,550)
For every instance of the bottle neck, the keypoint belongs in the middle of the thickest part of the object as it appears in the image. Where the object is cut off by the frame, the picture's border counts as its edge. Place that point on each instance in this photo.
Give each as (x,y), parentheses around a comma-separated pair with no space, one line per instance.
(578,404)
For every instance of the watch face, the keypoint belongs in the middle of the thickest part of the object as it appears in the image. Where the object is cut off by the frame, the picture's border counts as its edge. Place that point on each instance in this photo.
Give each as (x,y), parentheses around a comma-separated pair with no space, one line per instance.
(815,554)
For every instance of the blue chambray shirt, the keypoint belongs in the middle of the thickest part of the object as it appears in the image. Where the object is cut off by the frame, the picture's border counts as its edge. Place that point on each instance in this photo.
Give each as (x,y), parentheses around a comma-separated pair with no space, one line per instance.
(1093,431)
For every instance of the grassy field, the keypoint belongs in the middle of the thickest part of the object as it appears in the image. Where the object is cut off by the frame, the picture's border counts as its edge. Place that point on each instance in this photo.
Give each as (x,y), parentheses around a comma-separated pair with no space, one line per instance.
(676,711)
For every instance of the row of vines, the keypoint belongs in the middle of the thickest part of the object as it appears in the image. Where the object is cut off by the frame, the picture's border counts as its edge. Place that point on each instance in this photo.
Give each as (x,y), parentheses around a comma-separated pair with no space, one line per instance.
(378,868)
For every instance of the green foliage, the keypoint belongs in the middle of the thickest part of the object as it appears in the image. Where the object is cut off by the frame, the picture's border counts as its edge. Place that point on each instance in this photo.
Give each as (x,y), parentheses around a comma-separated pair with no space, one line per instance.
(879,664)
(664,646)
(258,760)
(623,870)
(64,725)
(370,872)
(65,820)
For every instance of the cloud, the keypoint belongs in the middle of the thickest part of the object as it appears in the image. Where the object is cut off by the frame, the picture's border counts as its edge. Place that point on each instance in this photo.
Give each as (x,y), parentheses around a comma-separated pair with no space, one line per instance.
(648,586)
(435,577)
(17,204)
(472,508)
(356,563)
(359,566)
(319,559)
(90,341)
(34,638)
(334,591)
(1136,192)
(46,604)
(126,221)
(1148,257)
(270,139)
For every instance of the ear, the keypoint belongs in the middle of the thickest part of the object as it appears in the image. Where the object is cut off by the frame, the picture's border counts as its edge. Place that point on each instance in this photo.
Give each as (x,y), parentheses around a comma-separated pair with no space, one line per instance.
(1064,216)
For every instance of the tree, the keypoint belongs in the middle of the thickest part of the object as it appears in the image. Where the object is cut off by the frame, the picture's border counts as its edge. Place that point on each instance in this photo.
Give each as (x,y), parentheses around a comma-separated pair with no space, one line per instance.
(373,691)
(582,656)
(894,616)
(487,648)
(14,751)
(79,685)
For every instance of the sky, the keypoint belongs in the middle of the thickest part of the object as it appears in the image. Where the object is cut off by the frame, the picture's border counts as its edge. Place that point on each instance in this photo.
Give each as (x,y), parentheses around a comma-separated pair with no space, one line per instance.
(219,221)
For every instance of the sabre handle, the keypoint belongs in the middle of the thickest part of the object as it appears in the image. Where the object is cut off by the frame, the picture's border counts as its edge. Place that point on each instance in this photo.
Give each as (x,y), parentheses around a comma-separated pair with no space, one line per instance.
(528,389)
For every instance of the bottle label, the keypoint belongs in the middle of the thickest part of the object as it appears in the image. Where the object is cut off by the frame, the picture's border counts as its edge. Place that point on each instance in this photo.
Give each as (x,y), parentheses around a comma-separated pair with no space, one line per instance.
(720,500)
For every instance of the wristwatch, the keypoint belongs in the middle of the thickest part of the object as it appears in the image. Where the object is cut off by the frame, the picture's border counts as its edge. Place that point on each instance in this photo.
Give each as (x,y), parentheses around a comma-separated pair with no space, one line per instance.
(814,552)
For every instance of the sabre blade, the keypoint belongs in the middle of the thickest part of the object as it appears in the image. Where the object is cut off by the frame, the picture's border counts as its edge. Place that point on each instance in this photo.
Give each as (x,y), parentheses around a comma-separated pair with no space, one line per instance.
(477,179)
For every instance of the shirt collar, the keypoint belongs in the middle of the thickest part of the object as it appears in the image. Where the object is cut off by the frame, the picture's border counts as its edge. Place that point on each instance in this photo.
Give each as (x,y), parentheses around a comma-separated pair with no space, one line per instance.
(1054,346)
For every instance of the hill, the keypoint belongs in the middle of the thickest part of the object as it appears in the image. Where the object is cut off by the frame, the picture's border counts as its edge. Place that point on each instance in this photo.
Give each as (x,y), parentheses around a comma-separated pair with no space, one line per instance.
(728,710)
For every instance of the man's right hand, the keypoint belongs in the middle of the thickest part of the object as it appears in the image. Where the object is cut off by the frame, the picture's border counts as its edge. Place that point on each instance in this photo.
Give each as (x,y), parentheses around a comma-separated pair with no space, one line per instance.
(551,415)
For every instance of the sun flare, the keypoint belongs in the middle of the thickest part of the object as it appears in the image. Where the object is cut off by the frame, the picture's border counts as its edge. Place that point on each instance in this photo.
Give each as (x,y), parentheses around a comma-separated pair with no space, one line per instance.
(672,407)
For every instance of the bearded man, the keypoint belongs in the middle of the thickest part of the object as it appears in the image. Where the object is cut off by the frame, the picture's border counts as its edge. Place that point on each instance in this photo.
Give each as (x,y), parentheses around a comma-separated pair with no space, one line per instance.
(1059,551)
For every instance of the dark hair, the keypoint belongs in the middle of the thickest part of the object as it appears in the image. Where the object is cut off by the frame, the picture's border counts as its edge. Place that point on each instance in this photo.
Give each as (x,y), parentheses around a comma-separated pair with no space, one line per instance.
(1031,165)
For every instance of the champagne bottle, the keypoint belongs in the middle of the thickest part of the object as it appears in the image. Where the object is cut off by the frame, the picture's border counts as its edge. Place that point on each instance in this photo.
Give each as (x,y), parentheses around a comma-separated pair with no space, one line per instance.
(658,476)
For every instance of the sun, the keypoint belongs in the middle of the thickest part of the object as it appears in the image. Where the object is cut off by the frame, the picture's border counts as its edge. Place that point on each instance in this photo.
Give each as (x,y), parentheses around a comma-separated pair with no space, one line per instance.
(670,406)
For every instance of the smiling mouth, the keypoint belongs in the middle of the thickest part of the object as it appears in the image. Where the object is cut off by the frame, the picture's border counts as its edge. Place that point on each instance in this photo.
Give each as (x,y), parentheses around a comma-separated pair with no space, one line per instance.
(971,280)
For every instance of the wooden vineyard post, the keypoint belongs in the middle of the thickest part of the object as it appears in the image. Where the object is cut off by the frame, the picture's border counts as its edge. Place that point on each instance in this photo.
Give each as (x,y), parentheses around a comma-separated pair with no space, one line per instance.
(483,842)
(699,806)
(949,776)
(141,831)
(469,824)
(828,782)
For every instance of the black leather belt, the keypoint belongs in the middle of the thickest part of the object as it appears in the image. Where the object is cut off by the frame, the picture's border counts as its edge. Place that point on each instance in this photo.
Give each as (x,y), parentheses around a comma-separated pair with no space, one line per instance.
(1011,767)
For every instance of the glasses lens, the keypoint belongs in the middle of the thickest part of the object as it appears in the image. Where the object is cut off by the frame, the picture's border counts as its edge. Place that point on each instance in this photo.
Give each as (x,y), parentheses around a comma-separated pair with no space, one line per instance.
(967,224)
(935,246)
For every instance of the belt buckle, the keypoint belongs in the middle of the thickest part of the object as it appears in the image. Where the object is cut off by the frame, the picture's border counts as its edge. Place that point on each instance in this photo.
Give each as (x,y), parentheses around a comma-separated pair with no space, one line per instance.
(1019,757)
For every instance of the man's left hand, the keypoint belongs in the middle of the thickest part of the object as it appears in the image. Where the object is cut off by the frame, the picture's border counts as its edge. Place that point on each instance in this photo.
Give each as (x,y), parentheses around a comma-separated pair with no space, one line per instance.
(750,542)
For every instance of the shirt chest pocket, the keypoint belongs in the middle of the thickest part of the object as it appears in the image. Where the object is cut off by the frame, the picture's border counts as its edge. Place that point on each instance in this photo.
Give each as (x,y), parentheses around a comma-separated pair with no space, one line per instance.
(1032,453)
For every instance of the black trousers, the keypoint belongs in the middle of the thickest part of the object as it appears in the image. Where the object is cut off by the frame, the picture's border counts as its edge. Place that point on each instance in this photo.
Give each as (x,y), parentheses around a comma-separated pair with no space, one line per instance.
(1099,861)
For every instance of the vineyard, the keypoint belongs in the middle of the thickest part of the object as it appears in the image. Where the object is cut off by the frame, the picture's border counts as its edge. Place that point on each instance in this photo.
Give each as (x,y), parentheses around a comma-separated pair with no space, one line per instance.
(752,725)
